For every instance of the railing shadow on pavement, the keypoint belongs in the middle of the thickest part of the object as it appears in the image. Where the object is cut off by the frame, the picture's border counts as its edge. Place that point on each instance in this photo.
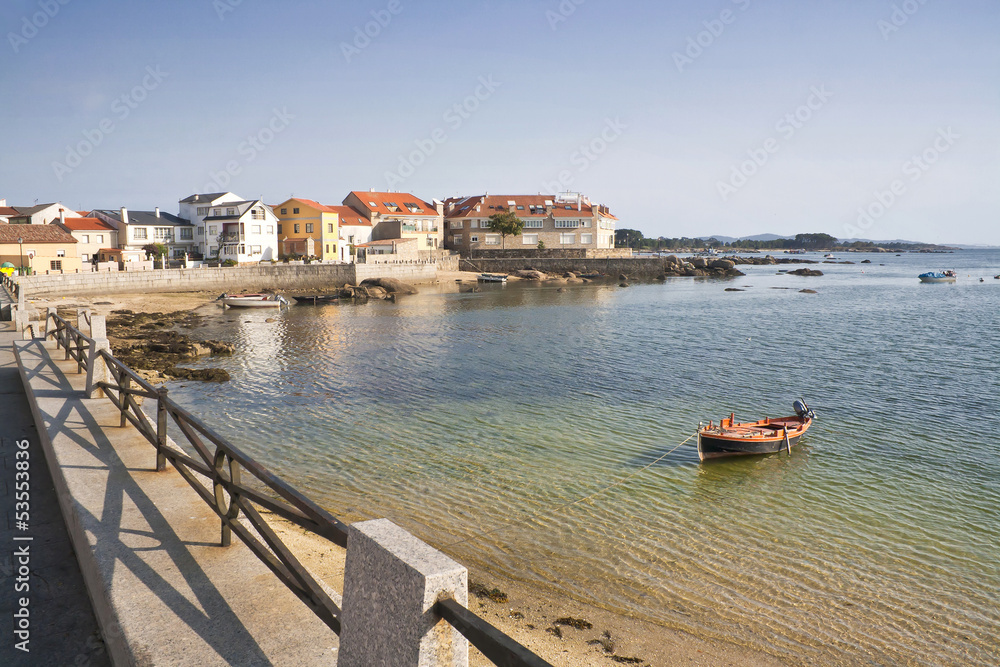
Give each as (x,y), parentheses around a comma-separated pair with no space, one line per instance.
(217,475)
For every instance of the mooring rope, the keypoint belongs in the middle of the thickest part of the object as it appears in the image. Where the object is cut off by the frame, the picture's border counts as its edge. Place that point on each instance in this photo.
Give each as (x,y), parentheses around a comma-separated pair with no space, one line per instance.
(552,511)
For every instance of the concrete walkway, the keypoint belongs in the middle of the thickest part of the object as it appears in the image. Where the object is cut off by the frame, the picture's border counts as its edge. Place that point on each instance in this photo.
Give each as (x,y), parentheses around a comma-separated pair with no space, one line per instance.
(63,629)
(164,591)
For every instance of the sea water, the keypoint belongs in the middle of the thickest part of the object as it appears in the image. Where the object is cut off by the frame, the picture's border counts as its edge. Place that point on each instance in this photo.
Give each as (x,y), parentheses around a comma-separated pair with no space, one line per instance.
(537,433)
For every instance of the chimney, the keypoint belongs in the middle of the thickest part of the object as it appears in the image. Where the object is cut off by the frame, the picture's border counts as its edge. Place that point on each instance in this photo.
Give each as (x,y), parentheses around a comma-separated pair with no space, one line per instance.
(124,214)
(156,211)
(371,190)
(62,216)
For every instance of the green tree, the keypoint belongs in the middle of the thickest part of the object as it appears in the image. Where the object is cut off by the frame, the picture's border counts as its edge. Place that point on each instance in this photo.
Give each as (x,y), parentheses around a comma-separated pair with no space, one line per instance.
(505,224)
(157,250)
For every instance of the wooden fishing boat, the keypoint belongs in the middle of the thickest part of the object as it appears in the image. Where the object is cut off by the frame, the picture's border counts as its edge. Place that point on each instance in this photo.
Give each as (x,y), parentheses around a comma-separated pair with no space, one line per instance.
(765,436)
(317,299)
(253,300)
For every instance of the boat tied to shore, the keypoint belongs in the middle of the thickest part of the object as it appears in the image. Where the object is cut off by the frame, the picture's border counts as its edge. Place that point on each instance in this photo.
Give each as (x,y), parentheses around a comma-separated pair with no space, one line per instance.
(253,300)
(492,278)
(938,277)
(764,436)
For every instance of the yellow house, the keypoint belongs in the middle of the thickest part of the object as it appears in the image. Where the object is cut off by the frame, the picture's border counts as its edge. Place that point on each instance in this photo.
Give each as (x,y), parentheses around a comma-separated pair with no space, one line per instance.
(42,248)
(308,228)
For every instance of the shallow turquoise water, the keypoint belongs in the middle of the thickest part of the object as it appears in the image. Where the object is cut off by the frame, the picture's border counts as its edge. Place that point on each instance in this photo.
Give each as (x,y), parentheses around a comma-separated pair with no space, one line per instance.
(485,422)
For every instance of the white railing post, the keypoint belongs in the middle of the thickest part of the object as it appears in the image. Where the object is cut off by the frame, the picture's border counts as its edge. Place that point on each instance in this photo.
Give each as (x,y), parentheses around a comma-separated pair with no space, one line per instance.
(391,582)
(97,367)
(83,320)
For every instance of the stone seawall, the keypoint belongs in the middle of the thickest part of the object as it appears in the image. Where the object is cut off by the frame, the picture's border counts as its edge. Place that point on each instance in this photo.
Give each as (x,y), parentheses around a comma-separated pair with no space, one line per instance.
(638,267)
(222,279)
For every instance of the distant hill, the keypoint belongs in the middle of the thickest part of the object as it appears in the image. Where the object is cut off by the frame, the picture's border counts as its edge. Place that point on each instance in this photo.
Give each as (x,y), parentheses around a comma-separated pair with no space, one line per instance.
(758,237)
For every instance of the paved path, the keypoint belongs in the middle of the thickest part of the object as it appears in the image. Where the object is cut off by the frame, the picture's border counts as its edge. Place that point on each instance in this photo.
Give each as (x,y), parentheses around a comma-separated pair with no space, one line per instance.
(62,624)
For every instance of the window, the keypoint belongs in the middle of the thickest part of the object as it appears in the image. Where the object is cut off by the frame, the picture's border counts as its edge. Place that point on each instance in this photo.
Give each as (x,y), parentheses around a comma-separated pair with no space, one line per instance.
(492,239)
(255,250)
(457,238)
(55,265)
(474,239)
(60,253)
(585,222)
(456,224)
(279,229)
(230,211)
(284,211)
(533,224)
(214,250)
(202,210)
(217,211)
(139,233)
(391,205)
(372,204)
(99,238)
(201,231)
(270,229)
(309,228)
(179,252)
(350,239)
(329,228)
(520,207)
(213,230)
(566,239)
(162,233)
(412,207)
(586,239)
(296,228)
(187,233)
(85,257)
(295,211)
(257,214)
(567,224)
(473,224)
(328,248)
(255,229)
(529,239)
(84,238)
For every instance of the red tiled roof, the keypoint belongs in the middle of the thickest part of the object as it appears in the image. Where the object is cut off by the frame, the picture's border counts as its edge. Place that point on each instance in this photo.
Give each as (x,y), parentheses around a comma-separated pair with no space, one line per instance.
(8,210)
(400,199)
(490,204)
(34,234)
(85,224)
(315,204)
(348,216)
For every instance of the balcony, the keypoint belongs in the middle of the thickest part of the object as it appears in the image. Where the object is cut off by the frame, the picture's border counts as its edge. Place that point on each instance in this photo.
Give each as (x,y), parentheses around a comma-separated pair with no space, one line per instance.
(231,237)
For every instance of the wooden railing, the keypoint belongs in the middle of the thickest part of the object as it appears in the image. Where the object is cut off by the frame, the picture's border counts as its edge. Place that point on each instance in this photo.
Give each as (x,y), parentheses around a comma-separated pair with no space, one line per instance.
(216,473)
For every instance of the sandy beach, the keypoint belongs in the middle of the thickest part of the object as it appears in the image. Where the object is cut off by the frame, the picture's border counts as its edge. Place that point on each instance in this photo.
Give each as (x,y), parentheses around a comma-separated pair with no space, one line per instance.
(588,636)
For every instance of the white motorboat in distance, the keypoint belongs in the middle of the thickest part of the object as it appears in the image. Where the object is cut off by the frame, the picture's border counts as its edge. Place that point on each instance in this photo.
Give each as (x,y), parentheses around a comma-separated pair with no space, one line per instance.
(938,277)
(253,300)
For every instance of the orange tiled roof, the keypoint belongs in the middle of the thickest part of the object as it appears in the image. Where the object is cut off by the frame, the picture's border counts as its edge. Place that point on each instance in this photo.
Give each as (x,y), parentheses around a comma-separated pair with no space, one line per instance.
(315,204)
(86,224)
(524,206)
(348,216)
(379,202)
(34,234)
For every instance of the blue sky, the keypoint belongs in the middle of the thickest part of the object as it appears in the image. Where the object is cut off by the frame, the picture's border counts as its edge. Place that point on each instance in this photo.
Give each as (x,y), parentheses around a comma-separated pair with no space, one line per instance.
(871,119)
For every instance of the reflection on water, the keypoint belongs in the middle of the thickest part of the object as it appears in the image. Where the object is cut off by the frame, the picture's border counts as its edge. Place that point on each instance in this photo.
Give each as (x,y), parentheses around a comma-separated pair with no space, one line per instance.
(507,427)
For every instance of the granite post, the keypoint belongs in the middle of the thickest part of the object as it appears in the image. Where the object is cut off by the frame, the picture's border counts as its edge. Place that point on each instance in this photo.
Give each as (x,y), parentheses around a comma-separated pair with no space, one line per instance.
(97,367)
(391,582)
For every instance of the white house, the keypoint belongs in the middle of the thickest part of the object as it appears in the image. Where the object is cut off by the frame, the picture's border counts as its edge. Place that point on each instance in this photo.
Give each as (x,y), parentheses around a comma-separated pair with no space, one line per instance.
(355,230)
(198,207)
(242,231)
(137,229)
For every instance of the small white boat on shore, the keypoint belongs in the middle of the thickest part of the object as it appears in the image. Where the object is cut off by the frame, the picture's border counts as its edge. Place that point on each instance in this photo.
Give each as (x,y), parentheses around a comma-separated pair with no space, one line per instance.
(253,300)
(492,278)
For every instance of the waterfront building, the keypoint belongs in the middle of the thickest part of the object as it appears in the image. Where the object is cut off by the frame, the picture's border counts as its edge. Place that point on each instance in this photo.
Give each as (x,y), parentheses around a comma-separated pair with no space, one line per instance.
(400,215)
(42,248)
(91,234)
(309,229)
(137,229)
(198,207)
(389,251)
(355,230)
(39,214)
(568,221)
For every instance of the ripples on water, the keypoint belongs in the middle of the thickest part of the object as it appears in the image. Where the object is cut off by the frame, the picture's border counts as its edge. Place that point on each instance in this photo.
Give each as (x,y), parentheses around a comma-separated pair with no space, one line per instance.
(470,418)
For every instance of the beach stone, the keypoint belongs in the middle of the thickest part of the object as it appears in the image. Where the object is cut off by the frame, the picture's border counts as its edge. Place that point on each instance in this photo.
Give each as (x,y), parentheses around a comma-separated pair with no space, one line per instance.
(722,264)
(390,285)
(735,289)
(530,274)
(805,272)
(807,291)
(699,262)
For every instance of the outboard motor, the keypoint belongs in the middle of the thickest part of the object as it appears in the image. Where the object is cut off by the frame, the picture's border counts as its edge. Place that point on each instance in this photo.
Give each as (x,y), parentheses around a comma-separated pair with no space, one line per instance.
(802,410)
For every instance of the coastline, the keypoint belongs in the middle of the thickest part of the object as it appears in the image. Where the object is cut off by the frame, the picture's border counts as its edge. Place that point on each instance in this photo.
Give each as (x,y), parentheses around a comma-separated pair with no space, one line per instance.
(527,615)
